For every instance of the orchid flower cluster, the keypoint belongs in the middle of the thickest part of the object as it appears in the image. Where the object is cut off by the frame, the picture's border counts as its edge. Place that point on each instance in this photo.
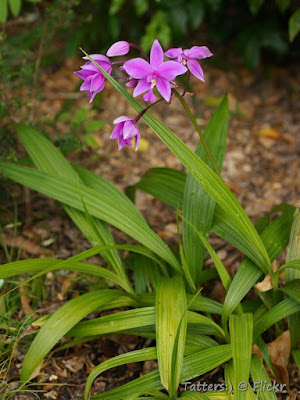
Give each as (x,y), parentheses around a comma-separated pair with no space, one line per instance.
(149,76)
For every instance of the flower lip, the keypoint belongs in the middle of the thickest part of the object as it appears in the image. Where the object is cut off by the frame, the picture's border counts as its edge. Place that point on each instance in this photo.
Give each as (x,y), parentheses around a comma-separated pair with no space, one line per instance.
(124,131)
(93,79)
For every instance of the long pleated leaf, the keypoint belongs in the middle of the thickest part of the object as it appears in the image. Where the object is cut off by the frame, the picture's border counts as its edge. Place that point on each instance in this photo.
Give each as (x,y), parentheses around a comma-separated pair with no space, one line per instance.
(259,374)
(133,319)
(60,322)
(275,237)
(156,182)
(133,356)
(50,264)
(198,206)
(292,287)
(207,179)
(193,365)
(241,337)
(199,303)
(171,320)
(101,206)
(49,159)
(282,310)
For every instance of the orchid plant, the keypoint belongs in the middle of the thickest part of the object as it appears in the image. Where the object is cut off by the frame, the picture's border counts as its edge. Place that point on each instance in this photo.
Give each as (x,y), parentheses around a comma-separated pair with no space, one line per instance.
(194,334)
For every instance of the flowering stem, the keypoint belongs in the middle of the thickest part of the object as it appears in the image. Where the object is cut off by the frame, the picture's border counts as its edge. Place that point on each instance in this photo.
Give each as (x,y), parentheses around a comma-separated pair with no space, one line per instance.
(202,138)
(187,83)
(140,49)
(145,109)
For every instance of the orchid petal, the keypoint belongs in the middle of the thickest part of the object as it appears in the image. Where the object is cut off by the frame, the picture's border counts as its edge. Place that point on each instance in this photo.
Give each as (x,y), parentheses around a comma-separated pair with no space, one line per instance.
(137,68)
(83,74)
(129,130)
(137,140)
(164,88)
(195,69)
(122,118)
(150,96)
(156,54)
(118,49)
(98,58)
(131,84)
(170,69)
(123,142)
(174,52)
(97,83)
(92,95)
(117,131)
(86,84)
(199,52)
(141,87)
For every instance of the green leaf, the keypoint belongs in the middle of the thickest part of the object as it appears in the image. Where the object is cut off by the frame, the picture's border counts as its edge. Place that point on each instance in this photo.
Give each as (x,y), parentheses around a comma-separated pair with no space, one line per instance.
(15,7)
(292,277)
(193,396)
(50,264)
(283,5)
(259,374)
(255,5)
(198,303)
(296,355)
(223,274)
(294,25)
(100,205)
(206,178)
(275,237)
(198,206)
(90,140)
(119,322)
(171,317)
(193,365)
(95,125)
(166,184)
(3,11)
(60,322)
(49,159)
(277,313)
(292,289)
(241,336)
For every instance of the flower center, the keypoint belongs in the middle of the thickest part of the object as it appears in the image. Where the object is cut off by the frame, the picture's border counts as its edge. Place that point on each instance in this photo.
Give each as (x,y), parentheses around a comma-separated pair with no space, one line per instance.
(153,81)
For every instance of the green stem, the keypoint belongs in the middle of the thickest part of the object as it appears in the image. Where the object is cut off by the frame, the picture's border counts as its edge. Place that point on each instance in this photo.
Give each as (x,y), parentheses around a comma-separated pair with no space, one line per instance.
(202,138)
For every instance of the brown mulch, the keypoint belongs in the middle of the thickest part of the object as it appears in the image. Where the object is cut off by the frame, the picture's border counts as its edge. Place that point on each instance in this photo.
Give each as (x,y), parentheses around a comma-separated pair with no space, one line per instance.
(261,167)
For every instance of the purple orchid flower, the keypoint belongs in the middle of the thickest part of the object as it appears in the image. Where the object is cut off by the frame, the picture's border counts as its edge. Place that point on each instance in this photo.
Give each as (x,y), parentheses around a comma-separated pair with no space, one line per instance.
(118,49)
(189,58)
(124,131)
(93,78)
(157,73)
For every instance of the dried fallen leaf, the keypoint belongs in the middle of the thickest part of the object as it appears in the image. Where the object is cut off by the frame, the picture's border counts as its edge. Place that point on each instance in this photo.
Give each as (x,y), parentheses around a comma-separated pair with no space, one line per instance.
(265,285)
(279,351)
